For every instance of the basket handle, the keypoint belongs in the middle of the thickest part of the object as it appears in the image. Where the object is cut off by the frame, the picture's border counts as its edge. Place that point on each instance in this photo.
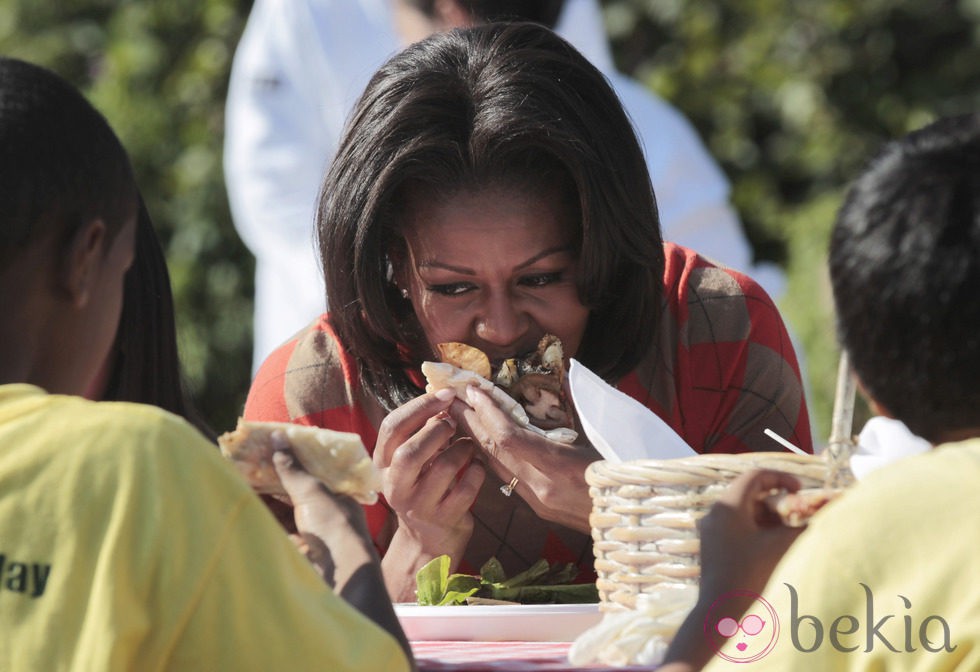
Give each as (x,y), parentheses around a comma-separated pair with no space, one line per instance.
(842,442)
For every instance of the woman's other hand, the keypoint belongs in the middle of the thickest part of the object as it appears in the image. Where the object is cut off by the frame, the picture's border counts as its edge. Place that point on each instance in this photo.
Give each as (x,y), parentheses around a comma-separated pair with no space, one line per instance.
(550,474)
(430,478)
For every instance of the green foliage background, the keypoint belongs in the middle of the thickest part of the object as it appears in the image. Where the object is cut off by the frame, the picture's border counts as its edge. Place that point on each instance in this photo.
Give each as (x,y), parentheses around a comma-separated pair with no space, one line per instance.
(158,70)
(791,96)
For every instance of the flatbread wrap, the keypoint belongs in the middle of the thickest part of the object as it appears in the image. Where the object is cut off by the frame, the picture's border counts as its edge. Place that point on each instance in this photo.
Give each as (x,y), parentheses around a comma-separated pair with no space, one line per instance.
(337,459)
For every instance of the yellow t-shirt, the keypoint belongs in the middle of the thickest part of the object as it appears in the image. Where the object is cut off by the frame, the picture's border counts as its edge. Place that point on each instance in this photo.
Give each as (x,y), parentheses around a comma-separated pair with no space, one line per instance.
(885,578)
(127,543)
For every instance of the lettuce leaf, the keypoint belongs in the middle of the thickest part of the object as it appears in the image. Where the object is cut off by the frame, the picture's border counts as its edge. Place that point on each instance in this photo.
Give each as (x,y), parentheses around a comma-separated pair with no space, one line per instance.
(539,584)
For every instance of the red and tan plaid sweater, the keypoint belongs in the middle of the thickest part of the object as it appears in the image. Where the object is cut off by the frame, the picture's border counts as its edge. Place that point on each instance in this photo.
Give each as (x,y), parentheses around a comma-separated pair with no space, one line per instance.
(719,370)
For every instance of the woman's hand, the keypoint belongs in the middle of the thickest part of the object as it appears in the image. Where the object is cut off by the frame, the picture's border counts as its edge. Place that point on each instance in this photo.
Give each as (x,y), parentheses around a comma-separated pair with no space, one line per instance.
(430,479)
(550,475)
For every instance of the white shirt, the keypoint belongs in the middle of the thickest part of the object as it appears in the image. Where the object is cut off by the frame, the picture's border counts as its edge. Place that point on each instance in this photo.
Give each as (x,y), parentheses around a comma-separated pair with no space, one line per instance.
(299,68)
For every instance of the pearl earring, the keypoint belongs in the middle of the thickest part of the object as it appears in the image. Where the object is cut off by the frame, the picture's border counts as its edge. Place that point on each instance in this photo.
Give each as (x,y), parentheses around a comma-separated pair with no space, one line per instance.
(404,293)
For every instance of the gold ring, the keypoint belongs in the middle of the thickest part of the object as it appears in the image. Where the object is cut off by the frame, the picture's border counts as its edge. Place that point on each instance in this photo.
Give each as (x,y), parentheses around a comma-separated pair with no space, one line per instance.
(509,488)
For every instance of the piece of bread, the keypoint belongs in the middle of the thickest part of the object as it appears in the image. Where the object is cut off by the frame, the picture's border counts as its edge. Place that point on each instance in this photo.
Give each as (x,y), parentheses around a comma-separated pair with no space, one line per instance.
(796,508)
(337,459)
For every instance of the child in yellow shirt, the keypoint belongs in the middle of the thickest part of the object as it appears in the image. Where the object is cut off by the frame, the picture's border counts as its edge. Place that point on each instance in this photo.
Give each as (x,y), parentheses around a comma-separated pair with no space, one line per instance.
(885,576)
(126,542)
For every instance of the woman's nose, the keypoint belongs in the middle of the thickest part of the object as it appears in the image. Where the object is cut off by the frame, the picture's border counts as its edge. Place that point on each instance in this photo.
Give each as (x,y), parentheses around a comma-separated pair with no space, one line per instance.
(501,321)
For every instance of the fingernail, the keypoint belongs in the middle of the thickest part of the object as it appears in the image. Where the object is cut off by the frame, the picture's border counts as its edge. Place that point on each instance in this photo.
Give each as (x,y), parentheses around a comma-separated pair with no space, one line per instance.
(445,394)
(471,394)
(445,417)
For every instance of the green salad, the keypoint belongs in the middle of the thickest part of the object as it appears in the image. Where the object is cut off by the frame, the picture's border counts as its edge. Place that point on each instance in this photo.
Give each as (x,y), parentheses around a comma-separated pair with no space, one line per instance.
(542,583)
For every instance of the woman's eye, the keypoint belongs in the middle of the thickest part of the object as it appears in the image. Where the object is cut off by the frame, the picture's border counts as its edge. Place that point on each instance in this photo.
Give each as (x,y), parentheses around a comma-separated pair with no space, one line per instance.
(541,279)
(460,288)
(451,288)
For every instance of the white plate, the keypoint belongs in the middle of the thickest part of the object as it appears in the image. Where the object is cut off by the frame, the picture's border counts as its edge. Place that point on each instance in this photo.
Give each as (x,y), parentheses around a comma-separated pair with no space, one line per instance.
(497,623)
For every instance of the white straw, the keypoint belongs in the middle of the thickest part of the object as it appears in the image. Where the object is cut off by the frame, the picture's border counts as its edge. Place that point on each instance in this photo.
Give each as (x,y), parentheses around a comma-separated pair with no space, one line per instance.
(777,438)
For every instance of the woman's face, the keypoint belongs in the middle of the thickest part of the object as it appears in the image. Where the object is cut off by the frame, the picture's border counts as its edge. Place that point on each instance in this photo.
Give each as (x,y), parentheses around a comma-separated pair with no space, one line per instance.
(493,268)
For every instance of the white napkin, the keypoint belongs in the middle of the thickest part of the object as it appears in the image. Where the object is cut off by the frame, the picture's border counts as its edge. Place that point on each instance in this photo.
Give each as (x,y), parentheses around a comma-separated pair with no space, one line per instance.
(882,441)
(620,427)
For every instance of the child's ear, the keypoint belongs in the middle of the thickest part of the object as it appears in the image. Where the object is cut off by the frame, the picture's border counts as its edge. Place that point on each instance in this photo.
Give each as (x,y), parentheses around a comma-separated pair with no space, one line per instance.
(82,261)
(878,409)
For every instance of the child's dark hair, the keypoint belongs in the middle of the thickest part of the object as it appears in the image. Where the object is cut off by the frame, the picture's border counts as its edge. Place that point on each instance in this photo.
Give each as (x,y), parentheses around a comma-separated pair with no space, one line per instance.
(905,269)
(61,165)
(146,366)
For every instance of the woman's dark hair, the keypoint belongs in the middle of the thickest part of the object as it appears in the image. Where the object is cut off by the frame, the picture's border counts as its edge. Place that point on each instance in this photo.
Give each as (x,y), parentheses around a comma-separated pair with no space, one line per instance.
(146,365)
(61,165)
(501,104)
(905,269)
(545,12)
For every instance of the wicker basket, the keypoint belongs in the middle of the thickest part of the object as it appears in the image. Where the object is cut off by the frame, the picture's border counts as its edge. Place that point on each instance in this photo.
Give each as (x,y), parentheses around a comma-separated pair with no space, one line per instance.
(645,513)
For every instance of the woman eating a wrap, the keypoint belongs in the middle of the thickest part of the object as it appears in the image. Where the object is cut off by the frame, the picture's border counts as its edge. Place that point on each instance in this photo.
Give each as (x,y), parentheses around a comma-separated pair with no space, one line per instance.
(490,191)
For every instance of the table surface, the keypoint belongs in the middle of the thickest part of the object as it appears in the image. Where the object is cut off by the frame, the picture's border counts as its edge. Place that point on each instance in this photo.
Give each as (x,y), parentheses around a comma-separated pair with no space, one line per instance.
(457,656)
